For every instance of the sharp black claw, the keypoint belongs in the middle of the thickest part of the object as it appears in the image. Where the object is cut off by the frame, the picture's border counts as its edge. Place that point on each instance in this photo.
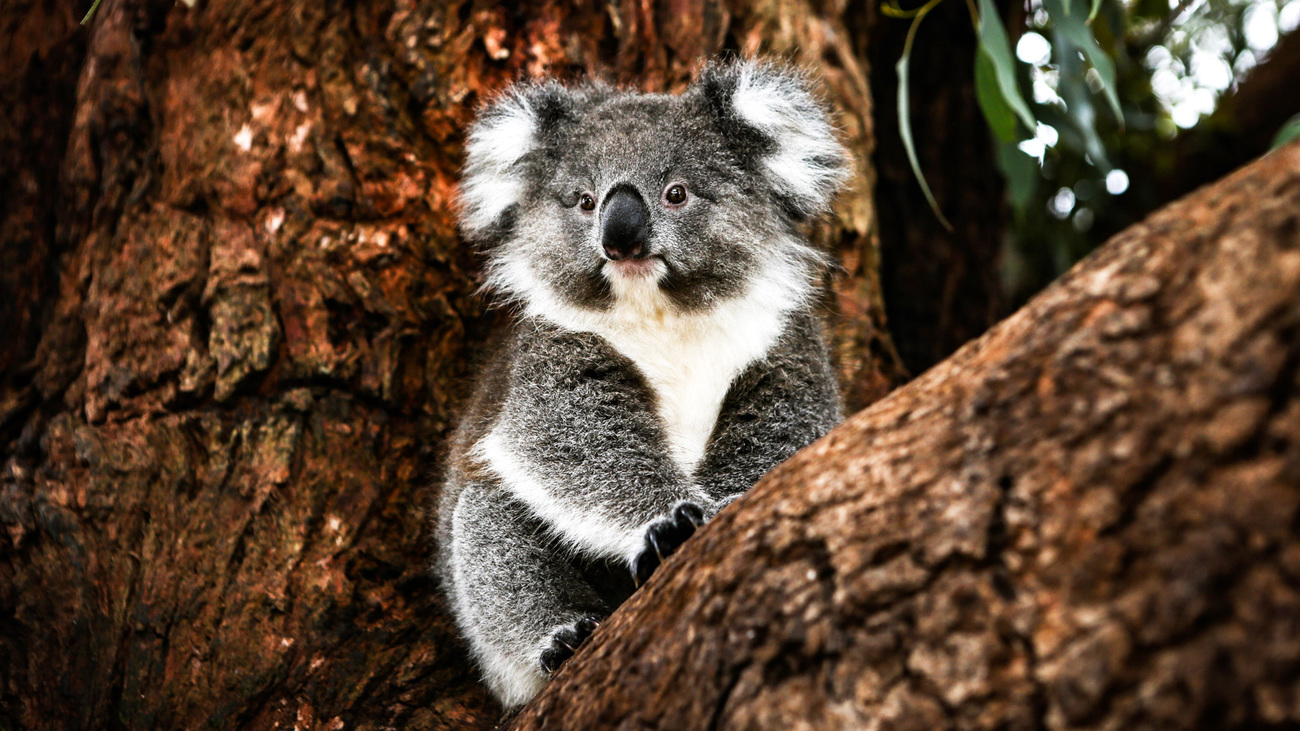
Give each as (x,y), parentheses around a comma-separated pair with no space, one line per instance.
(663,537)
(565,642)
(552,659)
(691,513)
(654,542)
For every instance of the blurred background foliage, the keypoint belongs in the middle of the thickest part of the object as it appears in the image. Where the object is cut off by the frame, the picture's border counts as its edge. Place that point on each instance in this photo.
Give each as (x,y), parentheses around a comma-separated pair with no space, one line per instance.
(1082,174)
(1200,87)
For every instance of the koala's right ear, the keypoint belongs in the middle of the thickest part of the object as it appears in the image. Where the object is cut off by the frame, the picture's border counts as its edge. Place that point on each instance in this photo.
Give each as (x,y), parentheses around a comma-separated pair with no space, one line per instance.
(514,125)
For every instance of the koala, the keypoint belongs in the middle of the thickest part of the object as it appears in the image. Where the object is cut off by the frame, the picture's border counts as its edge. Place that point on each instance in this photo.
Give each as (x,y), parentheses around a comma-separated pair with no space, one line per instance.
(663,351)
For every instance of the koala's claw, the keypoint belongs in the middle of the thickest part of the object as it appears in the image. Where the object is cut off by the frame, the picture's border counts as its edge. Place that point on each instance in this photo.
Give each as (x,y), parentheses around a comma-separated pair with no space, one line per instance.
(664,536)
(566,641)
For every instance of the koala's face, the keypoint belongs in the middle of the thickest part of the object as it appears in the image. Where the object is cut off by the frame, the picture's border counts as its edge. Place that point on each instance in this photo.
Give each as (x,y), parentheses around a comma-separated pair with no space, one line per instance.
(643,188)
(588,196)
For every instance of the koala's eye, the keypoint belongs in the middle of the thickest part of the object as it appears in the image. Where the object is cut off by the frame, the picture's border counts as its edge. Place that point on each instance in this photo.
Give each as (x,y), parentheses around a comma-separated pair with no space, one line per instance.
(587,201)
(676,194)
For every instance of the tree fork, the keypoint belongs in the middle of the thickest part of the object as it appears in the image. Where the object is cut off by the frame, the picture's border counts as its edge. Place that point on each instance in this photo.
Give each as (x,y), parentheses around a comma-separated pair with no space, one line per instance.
(235,319)
(1087,518)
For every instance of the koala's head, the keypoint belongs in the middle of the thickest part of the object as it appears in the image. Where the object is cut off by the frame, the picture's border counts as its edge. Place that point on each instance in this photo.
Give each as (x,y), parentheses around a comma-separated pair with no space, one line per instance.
(585,196)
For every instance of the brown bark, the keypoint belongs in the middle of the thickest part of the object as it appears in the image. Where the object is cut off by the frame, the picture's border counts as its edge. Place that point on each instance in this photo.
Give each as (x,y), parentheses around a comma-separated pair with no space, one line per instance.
(236,321)
(1088,518)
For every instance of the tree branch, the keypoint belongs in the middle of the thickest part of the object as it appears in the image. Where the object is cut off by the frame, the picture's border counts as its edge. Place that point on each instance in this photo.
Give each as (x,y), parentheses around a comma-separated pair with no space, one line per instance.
(1086,517)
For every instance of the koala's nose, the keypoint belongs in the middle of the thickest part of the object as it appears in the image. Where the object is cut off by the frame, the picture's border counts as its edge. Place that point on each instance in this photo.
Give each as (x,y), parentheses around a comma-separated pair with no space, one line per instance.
(625,225)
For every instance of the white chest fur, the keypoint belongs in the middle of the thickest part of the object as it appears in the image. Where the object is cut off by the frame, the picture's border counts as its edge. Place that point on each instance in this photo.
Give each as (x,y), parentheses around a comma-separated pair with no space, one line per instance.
(689,359)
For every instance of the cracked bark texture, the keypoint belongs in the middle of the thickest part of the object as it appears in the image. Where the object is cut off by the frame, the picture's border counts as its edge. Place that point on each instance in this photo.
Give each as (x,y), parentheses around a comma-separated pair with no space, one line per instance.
(1089,518)
(235,320)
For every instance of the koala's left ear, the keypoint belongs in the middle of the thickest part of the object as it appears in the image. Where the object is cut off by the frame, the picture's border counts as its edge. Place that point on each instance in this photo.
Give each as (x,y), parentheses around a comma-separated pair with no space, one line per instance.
(773,120)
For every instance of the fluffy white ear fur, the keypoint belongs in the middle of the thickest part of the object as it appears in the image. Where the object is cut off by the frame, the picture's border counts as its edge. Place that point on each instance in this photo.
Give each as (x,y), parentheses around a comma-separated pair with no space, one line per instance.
(489,185)
(807,167)
(809,164)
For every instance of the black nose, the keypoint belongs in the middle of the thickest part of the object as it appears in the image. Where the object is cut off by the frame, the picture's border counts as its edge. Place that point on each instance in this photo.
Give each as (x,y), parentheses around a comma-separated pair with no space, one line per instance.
(625,225)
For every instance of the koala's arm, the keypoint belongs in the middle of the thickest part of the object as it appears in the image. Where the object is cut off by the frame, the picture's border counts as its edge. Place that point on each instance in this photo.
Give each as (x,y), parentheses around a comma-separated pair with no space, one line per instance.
(578,441)
(778,406)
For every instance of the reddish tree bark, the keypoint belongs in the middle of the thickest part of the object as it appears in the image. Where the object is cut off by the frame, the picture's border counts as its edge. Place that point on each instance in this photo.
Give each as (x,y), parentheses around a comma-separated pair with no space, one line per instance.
(1088,518)
(237,319)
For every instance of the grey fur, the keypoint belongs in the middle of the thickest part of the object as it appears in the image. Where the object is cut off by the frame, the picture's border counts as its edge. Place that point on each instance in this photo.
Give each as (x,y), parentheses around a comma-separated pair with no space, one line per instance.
(563,459)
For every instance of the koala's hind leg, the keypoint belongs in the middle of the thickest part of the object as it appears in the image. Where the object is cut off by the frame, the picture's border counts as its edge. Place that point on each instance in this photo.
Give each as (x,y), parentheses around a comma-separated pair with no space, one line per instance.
(520,600)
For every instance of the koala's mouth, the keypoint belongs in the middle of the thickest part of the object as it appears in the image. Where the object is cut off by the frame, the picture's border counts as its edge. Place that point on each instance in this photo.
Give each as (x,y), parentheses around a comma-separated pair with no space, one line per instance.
(651,267)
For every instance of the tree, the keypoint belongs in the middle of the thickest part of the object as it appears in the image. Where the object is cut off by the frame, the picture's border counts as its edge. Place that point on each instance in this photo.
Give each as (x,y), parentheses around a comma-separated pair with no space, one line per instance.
(237,319)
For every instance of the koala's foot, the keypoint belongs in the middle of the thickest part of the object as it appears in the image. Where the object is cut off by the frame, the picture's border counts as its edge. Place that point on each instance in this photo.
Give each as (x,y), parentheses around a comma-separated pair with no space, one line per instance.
(566,641)
(664,536)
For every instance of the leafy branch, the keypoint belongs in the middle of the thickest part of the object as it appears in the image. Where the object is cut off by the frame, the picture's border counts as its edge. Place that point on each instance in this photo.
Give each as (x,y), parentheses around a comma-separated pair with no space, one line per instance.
(996,85)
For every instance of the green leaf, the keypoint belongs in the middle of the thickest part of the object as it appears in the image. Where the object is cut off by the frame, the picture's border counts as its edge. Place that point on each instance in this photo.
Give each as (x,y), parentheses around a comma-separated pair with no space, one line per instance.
(1080,112)
(1021,172)
(1073,27)
(1289,131)
(905,112)
(1092,14)
(994,46)
(90,13)
(996,111)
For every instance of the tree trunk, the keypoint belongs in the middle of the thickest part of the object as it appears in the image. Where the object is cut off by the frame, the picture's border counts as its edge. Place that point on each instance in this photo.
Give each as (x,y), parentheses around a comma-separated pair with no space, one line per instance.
(236,320)
(1088,518)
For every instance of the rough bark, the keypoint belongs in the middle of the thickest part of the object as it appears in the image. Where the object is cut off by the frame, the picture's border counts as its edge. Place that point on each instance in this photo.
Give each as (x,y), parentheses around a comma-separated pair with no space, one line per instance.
(236,321)
(1088,518)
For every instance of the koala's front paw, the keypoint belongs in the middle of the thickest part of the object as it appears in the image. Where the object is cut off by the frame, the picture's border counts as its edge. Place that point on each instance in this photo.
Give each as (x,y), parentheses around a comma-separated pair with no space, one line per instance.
(663,536)
(566,641)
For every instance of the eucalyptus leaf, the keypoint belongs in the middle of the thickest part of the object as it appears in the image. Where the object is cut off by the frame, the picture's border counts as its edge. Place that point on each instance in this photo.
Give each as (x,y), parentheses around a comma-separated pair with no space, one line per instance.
(994,46)
(1022,175)
(90,13)
(905,112)
(1072,26)
(1289,131)
(1080,112)
(996,111)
